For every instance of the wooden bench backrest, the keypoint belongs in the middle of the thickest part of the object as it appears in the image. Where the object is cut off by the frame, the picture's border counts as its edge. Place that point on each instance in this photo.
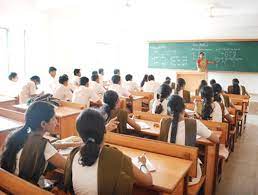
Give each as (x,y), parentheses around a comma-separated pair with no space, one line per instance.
(148,116)
(73,105)
(234,96)
(168,149)
(12,184)
(217,126)
(189,106)
(198,98)
(12,114)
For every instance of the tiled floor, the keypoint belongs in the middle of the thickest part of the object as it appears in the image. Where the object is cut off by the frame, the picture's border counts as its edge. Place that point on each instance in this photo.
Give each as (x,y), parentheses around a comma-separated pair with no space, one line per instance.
(240,175)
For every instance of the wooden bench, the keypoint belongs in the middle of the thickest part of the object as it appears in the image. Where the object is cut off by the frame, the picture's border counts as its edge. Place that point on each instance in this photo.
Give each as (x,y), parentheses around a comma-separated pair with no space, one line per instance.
(12,184)
(147,97)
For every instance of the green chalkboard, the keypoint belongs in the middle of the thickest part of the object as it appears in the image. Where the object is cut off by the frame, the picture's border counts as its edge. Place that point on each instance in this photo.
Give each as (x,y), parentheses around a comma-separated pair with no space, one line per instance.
(241,56)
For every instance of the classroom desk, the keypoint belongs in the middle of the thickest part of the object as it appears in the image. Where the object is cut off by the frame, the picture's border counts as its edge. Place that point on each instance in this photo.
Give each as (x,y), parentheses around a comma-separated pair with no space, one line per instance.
(7,102)
(211,154)
(136,102)
(66,117)
(171,173)
(7,125)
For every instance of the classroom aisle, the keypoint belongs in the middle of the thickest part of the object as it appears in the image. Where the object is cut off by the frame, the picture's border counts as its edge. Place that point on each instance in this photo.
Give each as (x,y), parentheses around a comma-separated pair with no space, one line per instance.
(241,171)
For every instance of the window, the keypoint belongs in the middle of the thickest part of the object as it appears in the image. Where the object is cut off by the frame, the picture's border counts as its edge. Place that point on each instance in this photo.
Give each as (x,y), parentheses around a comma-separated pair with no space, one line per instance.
(4,56)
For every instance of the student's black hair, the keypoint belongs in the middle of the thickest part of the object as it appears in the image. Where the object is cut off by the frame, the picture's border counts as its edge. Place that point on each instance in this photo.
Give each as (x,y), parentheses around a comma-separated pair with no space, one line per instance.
(180,83)
(212,81)
(84,81)
(164,92)
(129,77)
(35,78)
(110,100)
(202,53)
(116,79)
(217,90)
(94,77)
(35,114)
(51,69)
(207,95)
(94,72)
(12,75)
(175,107)
(76,71)
(202,84)
(167,80)
(63,79)
(117,72)
(151,77)
(145,79)
(90,125)
(101,71)
(236,87)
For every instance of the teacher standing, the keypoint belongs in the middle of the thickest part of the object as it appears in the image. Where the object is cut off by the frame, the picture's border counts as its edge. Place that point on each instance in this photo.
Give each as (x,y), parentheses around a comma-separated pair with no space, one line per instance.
(202,63)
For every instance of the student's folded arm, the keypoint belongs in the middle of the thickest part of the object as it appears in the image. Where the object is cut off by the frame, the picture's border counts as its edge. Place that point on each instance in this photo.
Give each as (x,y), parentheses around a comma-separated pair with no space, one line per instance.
(58,161)
(141,178)
(214,138)
(133,124)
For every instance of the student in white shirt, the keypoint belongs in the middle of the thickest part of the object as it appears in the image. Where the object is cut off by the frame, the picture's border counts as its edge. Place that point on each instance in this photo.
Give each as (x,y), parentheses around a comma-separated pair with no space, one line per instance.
(29,90)
(62,91)
(218,97)
(151,85)
(83,94)
(159,105)
(93,167)
(101,76)
(117,72)
(208,109)
(76,79)
(130,85)
(116,86)
(177,129)
(27,153)
(52,81)
(12,87)
(96,86)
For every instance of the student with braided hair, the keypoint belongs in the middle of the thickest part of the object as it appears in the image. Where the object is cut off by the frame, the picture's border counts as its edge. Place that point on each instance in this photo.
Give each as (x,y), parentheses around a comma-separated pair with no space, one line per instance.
(26,152)
(95,168)
(159,105)
(183,131)
(180,90)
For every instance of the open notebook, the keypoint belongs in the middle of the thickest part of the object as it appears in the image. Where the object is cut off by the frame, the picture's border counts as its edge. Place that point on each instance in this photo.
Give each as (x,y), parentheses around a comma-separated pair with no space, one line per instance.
(149,165)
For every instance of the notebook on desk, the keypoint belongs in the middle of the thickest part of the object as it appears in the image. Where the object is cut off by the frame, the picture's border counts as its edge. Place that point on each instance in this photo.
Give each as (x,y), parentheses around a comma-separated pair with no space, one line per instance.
(143,125)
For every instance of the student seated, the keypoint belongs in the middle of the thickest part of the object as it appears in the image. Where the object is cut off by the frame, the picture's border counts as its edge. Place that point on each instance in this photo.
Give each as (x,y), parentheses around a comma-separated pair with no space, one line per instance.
(26,152)
(84,94)
(144,80)
(12,87)
(159,105)
(101,76)
(151,85)
(96,86)
(180,90)
(218,97)
(212,81)
(208,109)
(52,81)
(117,87)
(117,72)
(130,85)
(96,168)
(62,91)
(167,80)
(111,109)
(235,88)
(202,84)
(76,79)
(29,90)
(183,131)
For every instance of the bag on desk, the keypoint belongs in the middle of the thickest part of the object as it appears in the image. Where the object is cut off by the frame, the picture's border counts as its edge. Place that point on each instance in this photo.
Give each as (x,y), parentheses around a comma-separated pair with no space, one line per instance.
(45,98)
